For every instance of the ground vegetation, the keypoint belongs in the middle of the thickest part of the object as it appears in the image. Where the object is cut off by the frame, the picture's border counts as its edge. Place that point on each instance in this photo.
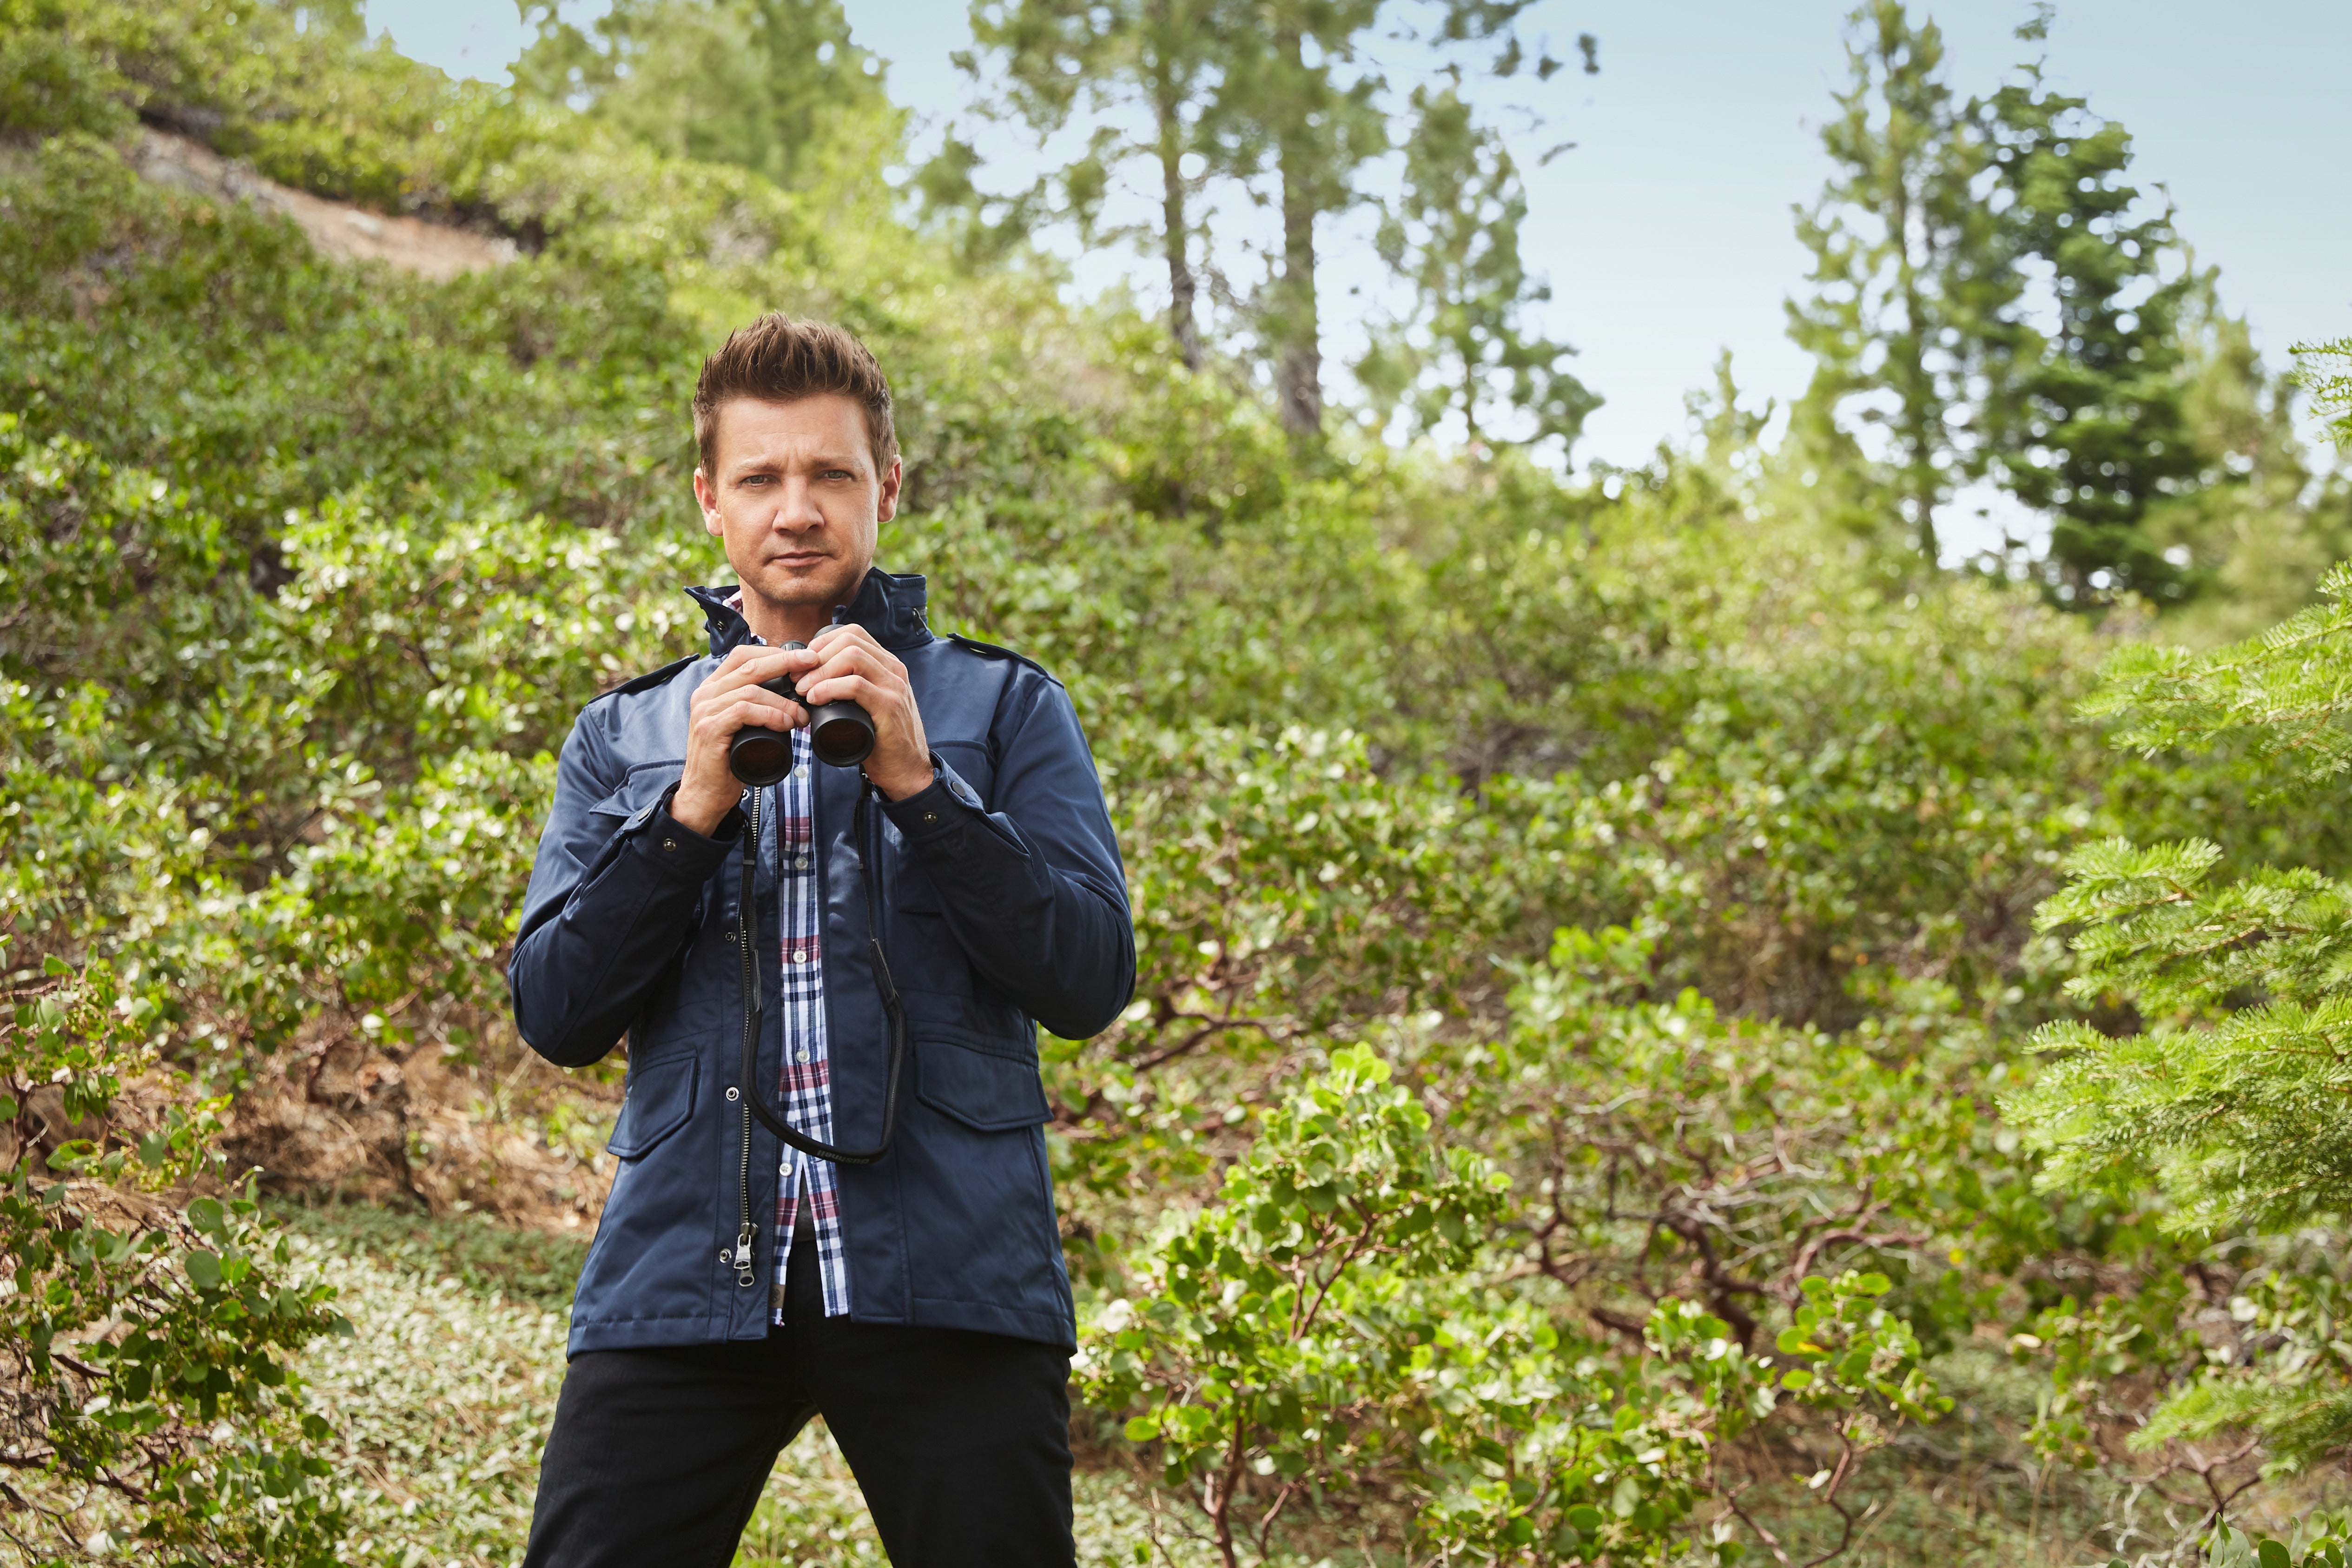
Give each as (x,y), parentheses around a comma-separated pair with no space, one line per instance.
(1669,1030)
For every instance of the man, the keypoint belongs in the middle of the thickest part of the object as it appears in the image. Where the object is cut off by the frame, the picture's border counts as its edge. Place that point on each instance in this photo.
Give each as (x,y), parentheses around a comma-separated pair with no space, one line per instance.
(935,905)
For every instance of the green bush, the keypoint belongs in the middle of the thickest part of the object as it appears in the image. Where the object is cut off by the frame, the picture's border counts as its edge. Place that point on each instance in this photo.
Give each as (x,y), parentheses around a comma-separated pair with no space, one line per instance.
(1583,931)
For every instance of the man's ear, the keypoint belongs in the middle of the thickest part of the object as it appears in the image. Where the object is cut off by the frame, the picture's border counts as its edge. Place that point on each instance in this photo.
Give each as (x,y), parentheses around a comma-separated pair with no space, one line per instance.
(707,498)
(886,506)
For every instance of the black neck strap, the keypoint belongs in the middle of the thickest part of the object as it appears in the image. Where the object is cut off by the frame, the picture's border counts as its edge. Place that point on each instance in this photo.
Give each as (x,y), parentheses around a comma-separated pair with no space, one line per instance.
(747,921)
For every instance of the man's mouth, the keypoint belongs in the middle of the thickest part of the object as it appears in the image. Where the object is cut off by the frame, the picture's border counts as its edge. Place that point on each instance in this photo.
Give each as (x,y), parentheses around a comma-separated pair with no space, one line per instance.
(799,559)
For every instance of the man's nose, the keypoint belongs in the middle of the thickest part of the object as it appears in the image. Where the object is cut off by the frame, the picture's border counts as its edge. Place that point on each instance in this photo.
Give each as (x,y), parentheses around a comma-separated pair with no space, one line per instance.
(796,509)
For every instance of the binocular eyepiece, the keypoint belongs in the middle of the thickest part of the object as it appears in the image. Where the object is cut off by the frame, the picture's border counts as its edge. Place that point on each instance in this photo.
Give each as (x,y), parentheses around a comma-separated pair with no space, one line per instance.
(841,734)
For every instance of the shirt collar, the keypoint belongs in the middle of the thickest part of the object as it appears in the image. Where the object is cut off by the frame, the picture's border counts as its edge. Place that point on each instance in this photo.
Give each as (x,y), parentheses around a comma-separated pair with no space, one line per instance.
(893,607)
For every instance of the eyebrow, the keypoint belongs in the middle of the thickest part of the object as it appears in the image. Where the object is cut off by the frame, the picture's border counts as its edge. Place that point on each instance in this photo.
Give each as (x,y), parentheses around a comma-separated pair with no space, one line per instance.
(751,466)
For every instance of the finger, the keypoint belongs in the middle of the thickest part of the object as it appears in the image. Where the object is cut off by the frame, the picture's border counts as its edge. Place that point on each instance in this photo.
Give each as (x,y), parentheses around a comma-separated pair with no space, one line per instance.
(882,701)
(749,671)
(756,708)
(744,655)
(866,660)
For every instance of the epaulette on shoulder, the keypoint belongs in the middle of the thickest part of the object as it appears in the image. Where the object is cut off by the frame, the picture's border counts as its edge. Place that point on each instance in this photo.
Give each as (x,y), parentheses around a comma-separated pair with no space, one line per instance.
(990,650)
(649,680)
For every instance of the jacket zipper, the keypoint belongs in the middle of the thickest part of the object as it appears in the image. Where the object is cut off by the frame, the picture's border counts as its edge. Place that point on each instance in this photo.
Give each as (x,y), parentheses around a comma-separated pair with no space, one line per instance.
(747,926)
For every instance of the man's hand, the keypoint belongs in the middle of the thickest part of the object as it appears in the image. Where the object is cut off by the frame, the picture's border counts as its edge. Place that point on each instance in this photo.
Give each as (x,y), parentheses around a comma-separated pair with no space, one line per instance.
(845,664)
(730,701)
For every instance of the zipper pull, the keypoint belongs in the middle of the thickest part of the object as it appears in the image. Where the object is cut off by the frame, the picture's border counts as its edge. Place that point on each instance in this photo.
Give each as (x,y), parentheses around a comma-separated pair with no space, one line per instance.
(743,1256)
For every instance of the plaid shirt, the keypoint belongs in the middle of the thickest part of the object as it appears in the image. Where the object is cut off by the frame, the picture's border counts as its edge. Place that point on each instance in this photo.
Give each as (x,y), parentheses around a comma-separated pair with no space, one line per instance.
(806,1184)
(807,1088)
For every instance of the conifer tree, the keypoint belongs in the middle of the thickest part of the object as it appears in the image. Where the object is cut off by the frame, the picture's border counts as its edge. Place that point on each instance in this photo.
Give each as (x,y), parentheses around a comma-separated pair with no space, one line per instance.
(1284,103)
(1912,283)
(2326,369)
(1164,60)
(1455,236)
(2228,1095)
(2089,424)
(772,85)
(1301,79)
(1309,80)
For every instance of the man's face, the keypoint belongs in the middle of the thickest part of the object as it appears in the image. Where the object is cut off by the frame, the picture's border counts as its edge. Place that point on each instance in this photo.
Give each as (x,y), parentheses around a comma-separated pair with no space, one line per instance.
(796,497)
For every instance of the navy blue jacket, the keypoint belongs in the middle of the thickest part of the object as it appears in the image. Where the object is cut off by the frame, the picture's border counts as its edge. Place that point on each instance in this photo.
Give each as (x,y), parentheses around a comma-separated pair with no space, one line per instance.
(1002,906)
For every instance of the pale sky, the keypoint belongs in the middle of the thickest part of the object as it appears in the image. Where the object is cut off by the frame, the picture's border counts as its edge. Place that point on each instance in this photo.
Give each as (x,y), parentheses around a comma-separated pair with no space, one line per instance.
(1666,233)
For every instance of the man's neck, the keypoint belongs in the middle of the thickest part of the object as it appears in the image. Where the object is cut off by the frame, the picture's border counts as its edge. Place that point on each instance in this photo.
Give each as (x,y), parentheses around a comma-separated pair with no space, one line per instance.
(778,624)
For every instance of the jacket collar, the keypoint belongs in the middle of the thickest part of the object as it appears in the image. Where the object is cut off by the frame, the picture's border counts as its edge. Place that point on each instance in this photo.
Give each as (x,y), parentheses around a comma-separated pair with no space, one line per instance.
(891,605)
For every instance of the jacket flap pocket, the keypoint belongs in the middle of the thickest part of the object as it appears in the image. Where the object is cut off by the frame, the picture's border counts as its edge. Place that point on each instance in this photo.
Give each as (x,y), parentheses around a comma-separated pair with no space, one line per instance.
(642,788)
(979,1088)
(913,892)
(661,1097)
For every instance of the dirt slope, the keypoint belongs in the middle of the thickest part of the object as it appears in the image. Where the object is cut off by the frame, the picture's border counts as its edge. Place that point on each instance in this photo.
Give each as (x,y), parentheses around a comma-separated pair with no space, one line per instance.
(337,229)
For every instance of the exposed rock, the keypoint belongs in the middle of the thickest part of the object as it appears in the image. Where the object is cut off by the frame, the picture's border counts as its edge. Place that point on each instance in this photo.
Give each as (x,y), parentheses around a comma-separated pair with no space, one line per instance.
(337,229)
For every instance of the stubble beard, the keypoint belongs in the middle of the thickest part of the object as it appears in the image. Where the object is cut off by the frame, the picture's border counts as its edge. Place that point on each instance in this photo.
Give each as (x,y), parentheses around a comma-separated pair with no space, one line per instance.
(835,581)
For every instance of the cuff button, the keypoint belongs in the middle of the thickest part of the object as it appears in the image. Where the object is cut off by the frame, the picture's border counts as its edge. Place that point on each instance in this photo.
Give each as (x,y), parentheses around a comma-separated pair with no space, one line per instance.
(669,843)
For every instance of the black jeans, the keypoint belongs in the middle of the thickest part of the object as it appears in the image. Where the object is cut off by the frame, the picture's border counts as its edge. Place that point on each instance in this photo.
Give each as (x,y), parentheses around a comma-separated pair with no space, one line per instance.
(961,1441)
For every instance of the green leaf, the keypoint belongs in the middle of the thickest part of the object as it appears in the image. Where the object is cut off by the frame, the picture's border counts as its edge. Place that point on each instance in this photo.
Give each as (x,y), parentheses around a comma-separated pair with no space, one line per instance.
(203,1270)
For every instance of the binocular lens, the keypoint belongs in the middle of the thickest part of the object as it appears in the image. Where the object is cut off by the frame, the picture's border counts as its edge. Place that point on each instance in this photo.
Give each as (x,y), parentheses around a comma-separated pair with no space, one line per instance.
(841,740)
(760,757)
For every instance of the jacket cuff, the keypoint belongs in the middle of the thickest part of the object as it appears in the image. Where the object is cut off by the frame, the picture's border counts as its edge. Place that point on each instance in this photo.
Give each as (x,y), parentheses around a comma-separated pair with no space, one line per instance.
(936,811)
(679,848)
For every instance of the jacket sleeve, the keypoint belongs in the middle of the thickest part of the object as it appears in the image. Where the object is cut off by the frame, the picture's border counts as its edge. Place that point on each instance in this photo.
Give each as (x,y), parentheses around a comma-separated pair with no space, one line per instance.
(613,891)
(1033,890)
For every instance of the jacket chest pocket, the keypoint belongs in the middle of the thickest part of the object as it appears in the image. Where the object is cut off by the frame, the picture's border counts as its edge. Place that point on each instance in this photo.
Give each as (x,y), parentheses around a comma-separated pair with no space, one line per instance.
(661,1098)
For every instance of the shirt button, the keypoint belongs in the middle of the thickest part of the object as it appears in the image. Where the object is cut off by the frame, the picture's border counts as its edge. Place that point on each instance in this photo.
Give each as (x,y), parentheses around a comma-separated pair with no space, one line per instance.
(802,1058)
(930,816)
(800,958)
(799,862)
(669,843)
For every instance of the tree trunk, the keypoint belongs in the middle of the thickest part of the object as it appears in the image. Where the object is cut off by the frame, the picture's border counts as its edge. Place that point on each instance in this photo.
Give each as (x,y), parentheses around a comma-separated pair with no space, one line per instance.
(1299,357)
(1176,236)
(1920,420)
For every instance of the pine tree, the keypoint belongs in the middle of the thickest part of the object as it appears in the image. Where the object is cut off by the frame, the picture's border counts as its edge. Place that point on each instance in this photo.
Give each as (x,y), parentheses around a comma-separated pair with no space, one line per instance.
(2228,1095)
(1301,79)
(2326,370)
(1913,286)
(2089,422)
(1307,81)
(2254,530)
(772,85)
(1455,236)
(1164,60)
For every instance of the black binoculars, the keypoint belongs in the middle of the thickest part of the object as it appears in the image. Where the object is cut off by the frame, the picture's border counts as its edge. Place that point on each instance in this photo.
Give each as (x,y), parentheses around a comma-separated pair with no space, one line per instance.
(840,734)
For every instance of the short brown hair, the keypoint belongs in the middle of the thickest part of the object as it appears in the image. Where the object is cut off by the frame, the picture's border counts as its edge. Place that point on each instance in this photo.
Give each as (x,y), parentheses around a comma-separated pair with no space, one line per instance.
(777,359)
